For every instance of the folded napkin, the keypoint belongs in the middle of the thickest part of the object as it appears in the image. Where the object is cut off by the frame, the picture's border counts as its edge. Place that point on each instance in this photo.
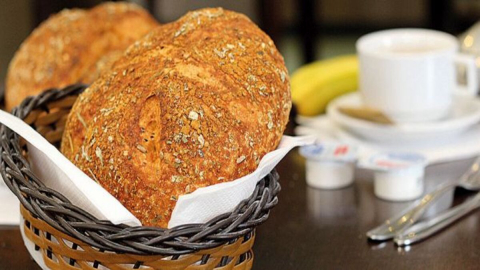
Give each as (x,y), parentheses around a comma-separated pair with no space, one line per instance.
(58,173)
(463,146)
(205,203)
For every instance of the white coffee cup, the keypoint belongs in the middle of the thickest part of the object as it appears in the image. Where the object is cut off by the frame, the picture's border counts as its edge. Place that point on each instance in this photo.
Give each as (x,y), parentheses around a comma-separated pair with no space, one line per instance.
(409,74)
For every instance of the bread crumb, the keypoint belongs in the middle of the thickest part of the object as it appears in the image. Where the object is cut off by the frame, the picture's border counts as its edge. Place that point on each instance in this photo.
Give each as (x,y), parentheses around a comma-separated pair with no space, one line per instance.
(240,159)
(141,148)
(81,120)
(177,178)
(98,153)
(193,115)
(201,140)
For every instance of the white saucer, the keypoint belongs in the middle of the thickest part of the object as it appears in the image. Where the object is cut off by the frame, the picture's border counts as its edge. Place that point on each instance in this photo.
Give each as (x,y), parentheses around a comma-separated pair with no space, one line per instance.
(464,114)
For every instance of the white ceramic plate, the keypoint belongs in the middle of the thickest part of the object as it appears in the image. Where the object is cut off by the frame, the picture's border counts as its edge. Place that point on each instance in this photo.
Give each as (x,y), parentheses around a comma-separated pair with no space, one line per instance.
(465,112)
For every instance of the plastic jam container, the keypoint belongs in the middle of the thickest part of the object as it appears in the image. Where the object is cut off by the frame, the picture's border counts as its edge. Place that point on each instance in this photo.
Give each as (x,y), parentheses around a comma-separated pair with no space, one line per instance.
(329,165)
(398,176)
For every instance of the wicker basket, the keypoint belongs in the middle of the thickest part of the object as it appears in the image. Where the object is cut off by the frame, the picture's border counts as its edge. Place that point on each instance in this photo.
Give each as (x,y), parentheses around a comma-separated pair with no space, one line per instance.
(70,238)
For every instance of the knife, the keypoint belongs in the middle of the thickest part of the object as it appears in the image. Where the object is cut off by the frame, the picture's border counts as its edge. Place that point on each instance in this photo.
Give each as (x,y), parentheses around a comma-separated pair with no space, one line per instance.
(425,229)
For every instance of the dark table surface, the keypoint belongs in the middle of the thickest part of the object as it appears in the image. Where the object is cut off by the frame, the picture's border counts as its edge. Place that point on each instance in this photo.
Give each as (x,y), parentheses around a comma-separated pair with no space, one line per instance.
(319,229)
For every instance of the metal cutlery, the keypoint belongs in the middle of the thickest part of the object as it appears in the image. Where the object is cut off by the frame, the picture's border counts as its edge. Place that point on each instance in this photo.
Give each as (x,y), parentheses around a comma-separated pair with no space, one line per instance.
(425,229)
(470,180)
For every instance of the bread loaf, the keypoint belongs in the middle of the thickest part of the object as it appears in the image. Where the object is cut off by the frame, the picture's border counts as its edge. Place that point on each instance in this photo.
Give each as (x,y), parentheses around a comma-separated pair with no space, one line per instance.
(67,47)
(196,102)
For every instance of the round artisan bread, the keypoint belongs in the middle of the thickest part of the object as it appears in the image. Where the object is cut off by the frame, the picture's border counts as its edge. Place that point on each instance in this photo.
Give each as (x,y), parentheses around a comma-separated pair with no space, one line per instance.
(194,103)
(74,46)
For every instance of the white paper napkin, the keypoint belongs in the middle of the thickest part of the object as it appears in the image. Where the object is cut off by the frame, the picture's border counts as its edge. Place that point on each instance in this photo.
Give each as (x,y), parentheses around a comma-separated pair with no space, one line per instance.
(463,146)
(58,173)
(205,203)
(9,206)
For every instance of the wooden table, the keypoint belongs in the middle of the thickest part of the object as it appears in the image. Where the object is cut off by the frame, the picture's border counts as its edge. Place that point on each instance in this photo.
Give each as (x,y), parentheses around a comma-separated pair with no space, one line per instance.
(317,229)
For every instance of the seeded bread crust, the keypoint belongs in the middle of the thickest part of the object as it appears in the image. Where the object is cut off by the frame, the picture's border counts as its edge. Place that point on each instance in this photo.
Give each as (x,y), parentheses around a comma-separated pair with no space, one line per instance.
(196,102)
(74,46)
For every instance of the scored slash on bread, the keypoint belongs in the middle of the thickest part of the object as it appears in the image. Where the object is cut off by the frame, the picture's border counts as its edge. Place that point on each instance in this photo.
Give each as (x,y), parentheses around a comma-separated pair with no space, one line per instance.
(196,102)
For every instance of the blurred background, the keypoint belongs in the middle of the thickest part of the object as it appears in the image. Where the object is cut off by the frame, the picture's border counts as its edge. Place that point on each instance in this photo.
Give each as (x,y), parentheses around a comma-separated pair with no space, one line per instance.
(303,30)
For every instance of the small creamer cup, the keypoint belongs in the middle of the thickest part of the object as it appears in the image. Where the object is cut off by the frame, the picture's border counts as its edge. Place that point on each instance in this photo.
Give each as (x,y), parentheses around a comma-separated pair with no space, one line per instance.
(398,176)
(329,165)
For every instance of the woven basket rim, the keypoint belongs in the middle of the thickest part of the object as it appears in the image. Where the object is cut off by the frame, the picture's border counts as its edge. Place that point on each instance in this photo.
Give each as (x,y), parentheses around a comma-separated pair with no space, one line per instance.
(57,211)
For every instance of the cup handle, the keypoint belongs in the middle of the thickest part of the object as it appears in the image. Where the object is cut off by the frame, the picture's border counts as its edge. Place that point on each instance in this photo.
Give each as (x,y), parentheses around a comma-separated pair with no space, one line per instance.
(471,86)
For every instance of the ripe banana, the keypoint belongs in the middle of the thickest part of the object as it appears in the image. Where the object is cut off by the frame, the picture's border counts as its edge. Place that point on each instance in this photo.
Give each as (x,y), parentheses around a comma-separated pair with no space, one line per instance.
(316,84)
